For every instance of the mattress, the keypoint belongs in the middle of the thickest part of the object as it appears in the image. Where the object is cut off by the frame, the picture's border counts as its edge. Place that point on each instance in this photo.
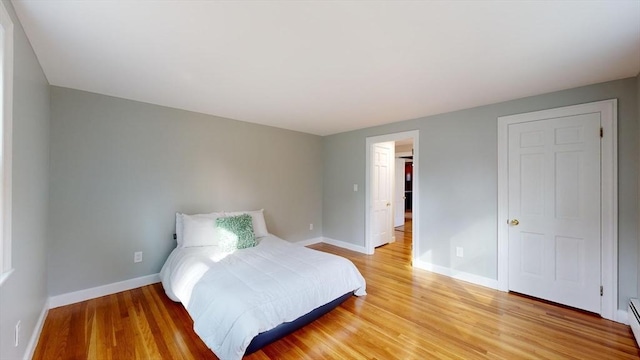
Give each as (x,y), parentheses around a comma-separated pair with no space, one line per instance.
(234,297)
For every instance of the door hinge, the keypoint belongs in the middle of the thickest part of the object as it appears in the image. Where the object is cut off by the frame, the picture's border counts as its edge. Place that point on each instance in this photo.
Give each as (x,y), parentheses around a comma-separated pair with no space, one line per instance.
(601,132)
(601,290)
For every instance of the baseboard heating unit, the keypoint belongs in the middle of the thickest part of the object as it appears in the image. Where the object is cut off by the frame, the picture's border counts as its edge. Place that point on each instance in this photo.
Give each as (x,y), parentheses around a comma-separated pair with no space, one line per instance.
(634,318)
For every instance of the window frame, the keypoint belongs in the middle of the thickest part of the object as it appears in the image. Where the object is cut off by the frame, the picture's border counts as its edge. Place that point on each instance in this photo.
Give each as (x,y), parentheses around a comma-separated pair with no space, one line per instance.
(6,132)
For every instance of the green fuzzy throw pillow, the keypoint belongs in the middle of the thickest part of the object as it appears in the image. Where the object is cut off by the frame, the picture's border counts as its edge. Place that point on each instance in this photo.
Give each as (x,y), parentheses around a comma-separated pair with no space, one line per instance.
(236,232)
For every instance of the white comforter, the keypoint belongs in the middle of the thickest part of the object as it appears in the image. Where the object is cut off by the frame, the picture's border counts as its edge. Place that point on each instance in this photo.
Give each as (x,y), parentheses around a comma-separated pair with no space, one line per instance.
(234,297)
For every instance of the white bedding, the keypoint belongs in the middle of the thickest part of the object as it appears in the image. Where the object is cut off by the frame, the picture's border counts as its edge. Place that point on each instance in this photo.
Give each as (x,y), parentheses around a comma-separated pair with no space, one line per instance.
(232,298)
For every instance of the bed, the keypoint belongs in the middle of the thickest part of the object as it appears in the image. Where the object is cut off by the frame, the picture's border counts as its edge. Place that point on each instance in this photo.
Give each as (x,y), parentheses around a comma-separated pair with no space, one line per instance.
(241,300)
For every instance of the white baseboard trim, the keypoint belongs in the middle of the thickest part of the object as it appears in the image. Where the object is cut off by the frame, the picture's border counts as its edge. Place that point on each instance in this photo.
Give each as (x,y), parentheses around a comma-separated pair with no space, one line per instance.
(98,291)
(35,336)
(345,245)
(459,275)
(309,241)
(622,316)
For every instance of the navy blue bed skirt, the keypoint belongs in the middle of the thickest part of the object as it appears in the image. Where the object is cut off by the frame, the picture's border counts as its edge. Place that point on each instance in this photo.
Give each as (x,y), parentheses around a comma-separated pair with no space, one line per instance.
(284,329)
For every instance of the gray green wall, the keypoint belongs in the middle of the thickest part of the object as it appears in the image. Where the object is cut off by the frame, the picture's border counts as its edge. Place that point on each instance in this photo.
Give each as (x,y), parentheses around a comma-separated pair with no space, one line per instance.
(23,295)
(121,169)
(458,180)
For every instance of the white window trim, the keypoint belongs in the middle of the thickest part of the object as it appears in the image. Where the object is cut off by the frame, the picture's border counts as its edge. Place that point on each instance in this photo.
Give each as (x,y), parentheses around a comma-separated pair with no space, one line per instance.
(6,107)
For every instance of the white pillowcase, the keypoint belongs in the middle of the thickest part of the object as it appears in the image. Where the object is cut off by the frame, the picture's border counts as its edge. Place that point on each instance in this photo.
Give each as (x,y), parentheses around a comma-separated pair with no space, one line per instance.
(257,220)
(198,231)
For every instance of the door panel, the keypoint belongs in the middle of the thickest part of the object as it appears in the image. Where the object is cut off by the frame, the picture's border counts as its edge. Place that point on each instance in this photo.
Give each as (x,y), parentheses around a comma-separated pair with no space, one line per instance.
(532,254)
(554,193)
(382,193)
(532,184)
(570,259)
(567,200)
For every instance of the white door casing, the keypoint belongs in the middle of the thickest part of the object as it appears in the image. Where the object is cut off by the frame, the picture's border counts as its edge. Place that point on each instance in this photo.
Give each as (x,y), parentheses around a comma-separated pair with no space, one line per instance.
(415,229)
(554,209)
(398,198)
(606,111)
(382,191)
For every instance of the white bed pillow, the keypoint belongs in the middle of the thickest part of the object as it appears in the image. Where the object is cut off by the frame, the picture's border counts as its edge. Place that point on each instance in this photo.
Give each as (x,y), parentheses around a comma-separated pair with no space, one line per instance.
(199,231)
(180,224)
(257,219)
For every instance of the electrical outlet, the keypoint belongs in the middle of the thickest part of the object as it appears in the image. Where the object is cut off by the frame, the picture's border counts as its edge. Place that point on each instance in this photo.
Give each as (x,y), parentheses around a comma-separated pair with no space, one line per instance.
(459,251)
(310,226)
(17,334)
(355,187)
(137,256)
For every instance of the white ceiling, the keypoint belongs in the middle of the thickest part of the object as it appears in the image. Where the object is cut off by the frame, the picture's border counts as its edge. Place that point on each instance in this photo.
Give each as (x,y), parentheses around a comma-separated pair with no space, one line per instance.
(324,67)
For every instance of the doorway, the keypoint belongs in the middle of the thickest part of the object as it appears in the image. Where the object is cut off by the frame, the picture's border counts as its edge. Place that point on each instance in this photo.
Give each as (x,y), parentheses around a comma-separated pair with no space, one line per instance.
(403,196)
(556,206)
(375,223)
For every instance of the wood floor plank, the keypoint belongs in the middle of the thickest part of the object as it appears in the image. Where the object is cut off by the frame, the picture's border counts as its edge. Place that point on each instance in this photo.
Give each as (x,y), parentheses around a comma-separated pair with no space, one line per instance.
(407,314)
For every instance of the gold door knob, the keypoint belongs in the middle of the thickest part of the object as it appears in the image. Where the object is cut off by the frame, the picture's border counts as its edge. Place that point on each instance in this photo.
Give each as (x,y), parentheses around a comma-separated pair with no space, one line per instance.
(388,204)
(515,222)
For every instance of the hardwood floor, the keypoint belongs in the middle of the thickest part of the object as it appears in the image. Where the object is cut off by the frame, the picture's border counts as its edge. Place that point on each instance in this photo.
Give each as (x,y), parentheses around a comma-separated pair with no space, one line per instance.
(407,314)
